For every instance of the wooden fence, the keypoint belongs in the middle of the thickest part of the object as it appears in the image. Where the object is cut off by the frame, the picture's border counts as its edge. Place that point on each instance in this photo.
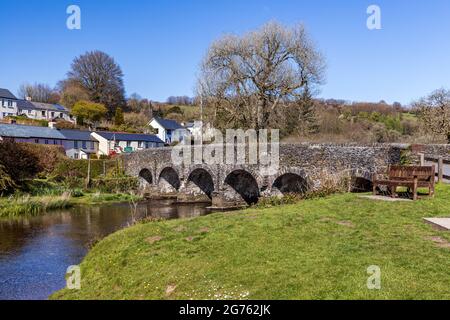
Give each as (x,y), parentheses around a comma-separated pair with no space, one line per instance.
(442,165)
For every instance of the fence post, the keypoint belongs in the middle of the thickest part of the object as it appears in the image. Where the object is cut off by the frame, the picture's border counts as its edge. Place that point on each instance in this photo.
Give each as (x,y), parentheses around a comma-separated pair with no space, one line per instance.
(422,159)
(440,169)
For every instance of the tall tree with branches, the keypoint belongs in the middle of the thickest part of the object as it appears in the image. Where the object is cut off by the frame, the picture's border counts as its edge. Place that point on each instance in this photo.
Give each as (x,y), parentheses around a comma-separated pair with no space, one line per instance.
(248,77)
(434,111)
(101,77)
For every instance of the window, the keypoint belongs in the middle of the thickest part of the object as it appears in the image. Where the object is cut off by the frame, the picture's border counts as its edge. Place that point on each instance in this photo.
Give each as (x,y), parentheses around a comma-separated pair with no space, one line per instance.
(55,141)
(84,144)
(10,103)
(36,140)
(92,145)
(53,114)
(46,141)
(61,115)
(146,145)
(76,155)
(75,144)
(140,143)
(29,111)
(128,143)
(43,113)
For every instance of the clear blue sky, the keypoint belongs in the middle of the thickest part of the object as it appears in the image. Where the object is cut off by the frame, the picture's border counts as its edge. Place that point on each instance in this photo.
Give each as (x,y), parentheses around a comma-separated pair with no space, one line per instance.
(159,44)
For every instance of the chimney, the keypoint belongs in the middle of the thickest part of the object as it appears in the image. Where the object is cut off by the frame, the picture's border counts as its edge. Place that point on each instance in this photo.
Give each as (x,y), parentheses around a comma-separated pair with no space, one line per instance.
(28,98)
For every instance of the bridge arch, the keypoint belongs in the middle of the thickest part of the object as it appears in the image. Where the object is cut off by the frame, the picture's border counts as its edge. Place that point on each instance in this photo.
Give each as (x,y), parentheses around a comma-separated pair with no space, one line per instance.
(169,180)
(244,184)
(145,177)
(360,180)
(291,182)
(201,179)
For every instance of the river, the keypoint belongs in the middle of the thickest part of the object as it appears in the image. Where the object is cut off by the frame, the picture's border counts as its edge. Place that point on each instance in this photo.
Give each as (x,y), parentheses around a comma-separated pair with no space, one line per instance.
(35,252)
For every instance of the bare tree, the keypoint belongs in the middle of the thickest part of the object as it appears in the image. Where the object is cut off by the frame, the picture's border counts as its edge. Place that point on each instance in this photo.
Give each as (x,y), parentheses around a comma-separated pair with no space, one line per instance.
(434,111)
(38,92)
(101,77)
(246,78)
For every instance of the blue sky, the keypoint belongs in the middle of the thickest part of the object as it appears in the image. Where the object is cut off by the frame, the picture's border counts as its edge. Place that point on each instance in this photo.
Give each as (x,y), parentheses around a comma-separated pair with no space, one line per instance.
(159,44)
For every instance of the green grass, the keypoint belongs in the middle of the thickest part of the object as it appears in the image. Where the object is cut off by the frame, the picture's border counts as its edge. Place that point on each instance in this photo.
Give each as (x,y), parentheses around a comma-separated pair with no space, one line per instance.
(22,204)
(315,249)
(98,198)
(12,207)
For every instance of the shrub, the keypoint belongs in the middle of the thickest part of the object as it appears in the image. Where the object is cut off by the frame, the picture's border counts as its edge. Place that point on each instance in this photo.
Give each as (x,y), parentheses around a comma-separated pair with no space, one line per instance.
(115,185)
(18,161)
(6,182)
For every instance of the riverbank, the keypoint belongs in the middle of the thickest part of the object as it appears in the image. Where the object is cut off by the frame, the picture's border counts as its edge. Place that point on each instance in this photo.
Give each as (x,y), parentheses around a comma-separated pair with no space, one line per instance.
(315,249)
(15,206)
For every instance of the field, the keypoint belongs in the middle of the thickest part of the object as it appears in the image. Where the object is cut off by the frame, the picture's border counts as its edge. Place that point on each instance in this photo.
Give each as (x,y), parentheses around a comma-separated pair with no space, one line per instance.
(315,249)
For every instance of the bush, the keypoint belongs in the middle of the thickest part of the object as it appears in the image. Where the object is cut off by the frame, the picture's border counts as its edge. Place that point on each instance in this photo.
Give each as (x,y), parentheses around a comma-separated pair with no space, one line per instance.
(18,161)
(73,170)
(6,182)
(116,185)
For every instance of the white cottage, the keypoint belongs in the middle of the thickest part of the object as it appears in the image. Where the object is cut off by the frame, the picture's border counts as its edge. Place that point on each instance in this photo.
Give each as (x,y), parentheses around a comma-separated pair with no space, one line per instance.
(110,143)
(169,130)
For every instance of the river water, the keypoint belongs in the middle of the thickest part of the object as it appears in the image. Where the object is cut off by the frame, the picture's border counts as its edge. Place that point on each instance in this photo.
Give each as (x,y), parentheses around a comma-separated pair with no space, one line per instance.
(35,252)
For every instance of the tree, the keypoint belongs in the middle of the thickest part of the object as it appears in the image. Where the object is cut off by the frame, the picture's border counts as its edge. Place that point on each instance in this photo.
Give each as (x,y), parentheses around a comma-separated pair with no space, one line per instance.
(434,111)
(38,92)
(71,92)
(89,112)
(307,115)
(118,117)
(247,78)
(101,77)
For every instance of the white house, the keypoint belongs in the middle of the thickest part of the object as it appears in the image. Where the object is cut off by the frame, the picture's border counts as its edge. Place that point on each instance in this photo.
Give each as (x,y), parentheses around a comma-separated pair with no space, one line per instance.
(110,143)
(168,130)
(79,144)
(43,111)
(8,104)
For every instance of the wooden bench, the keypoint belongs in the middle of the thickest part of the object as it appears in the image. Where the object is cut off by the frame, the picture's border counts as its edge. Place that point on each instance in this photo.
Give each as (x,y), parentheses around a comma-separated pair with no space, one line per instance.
(411,177)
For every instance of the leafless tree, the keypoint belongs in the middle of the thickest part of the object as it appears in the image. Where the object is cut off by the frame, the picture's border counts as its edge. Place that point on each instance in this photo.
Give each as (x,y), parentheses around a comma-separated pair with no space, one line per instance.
(101,77)
(38,92)
(247,77)
(434,111)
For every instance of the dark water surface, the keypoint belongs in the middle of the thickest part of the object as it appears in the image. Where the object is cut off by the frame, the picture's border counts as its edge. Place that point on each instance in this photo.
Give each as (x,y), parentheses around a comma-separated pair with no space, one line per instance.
(35,252)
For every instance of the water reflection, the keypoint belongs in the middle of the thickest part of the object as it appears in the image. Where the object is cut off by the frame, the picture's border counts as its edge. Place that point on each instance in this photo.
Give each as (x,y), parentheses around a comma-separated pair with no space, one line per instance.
(36,251)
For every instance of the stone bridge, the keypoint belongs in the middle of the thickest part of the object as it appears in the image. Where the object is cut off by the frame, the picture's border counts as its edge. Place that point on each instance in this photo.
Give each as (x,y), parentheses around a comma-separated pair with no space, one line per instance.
(301,167)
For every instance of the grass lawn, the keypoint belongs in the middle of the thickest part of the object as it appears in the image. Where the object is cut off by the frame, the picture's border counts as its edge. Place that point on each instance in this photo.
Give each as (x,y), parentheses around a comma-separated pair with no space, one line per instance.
(316,249)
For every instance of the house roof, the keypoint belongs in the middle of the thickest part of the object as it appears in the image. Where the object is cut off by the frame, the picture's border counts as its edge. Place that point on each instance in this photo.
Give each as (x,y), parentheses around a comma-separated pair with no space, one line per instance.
(31,105)
(129,137)
(168,124)
(77,134)
(24,104)
(5,93)
(22,131)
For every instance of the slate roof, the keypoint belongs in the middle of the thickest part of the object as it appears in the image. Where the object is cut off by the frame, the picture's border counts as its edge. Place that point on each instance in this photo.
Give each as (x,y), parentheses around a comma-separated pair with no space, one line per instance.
(168,124)
(5,93)
(82,135)
(27,132)
(31,105)
(129,137)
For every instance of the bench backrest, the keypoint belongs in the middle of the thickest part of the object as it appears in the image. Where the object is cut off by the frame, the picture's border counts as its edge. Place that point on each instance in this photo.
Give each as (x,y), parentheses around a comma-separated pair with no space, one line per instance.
(409,172)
